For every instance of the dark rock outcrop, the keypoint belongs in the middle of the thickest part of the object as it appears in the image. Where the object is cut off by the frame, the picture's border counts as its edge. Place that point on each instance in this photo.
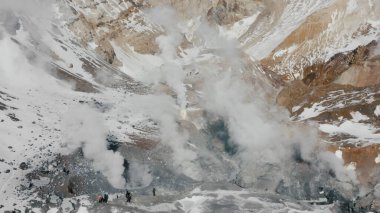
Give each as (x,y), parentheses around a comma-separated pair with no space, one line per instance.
(23,166)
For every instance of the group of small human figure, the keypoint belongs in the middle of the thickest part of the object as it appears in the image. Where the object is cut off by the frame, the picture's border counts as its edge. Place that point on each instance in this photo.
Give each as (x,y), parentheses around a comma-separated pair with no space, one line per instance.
(103,199)
(128,195)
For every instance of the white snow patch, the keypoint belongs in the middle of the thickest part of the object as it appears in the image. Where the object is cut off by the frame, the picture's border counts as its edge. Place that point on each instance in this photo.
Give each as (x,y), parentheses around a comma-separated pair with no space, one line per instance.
(296,108)
(339,154)
(344,98)
(285,51)
(92,45)
(377,159)
(311,112)
(293,16)
(352,43)
(377,111)
(138,66)
(360,131)
(357,116)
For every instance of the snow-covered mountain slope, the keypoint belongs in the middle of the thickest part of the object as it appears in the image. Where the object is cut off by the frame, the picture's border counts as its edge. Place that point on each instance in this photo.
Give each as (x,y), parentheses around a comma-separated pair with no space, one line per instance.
(195,98)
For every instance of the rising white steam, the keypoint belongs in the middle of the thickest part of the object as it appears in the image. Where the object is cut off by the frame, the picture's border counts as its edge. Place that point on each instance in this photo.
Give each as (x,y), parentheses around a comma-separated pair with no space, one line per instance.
(171,72)
(163,109)
(31,8)
(20,67)
(263,132)
(83,127)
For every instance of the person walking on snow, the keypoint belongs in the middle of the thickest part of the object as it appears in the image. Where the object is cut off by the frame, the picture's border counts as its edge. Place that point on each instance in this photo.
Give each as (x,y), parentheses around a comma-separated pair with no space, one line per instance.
(128,195)
(100,199)
(105,198)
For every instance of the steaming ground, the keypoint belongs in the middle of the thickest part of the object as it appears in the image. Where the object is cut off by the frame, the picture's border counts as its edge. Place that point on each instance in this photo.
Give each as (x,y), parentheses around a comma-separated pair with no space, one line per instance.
(199,125)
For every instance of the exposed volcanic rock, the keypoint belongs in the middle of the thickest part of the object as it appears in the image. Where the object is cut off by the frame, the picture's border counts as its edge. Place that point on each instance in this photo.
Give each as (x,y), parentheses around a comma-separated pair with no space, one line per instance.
(219,13)
(124,28)
(130,29)
(292,94)
(362,75)
(23,166)
(332,93)
(365,159)
(298,97)
(320,84)
(321,36)
(79,84)
(13,117)
(3,106)
(326,73)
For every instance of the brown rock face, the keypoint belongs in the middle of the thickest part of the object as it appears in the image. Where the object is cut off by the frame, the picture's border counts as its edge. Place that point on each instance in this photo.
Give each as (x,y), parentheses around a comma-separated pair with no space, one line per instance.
(218,14)
(292,95)
(364,159)
(127,28)
(79,84)
(323,78)
(106,51)
(330,30)
(326,73)
(364,74)
(348,82)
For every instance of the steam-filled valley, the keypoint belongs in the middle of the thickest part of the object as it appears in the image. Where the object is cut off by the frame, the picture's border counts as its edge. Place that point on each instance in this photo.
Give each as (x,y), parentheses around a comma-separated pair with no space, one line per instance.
(189,106)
